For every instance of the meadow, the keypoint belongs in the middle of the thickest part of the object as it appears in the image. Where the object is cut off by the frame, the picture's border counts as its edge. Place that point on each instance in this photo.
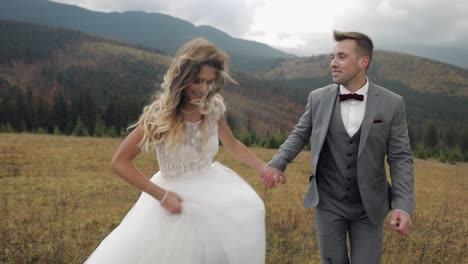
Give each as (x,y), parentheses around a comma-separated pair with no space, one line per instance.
(59,199)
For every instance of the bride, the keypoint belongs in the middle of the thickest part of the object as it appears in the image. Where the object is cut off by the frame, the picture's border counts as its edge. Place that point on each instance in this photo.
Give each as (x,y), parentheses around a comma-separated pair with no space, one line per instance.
(193,210)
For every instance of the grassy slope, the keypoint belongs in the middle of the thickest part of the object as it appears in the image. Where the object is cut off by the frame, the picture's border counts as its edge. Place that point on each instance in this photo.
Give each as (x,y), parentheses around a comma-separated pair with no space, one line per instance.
(58,200)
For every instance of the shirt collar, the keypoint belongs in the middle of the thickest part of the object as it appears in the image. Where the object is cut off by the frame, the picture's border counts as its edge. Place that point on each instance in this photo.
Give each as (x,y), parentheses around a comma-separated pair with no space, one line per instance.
(362,91)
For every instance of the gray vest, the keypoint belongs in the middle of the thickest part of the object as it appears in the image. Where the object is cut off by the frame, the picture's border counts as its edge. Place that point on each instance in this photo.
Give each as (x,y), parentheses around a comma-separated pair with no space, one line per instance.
(336,168)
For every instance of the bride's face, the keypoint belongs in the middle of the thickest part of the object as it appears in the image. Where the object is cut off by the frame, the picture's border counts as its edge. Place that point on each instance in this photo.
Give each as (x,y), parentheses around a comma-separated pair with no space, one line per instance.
(200,86)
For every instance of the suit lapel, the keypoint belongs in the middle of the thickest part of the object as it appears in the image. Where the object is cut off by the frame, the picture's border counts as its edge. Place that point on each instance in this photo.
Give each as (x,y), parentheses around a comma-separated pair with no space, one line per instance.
(373,102)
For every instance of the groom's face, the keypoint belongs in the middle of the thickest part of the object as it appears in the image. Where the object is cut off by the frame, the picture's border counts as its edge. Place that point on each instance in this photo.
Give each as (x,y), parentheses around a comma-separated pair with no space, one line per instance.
(346,63)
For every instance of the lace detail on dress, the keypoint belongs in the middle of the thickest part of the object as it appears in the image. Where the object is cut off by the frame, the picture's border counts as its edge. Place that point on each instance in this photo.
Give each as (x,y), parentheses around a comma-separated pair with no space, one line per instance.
(177,161)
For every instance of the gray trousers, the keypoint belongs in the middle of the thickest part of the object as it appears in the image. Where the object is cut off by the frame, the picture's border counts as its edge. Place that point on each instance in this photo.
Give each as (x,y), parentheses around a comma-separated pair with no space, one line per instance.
(347,219)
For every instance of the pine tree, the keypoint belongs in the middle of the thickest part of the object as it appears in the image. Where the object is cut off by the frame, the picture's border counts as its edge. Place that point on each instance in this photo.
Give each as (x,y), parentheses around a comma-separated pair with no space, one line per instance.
(110,114)
(56,131)
(8,128)
(414,134)
(100,128)
(455,155)
(464,144)
(83,105)
(20,111)
(245,139)
(272,142)
(43,116)
(60,113)
(450,138)
(249,124)
(80,129)
(254,139)
(8,110)
(420,151)
(431,138)
(31,111)
(89,112)
(41,130)
(2,113)
(110,131)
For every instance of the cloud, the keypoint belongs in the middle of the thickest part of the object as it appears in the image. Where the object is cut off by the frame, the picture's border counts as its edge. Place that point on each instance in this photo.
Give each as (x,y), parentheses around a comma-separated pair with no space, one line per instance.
(394,24)
(403,22)
(306,26)
(309,43)
(231,16)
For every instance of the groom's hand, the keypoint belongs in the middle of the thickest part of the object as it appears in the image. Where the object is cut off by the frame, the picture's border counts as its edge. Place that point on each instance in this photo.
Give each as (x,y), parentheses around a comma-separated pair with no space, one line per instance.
(272,177)
(401,222)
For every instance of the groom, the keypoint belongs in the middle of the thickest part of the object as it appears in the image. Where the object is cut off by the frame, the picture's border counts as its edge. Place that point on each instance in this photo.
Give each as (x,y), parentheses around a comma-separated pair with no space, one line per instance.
(353,126)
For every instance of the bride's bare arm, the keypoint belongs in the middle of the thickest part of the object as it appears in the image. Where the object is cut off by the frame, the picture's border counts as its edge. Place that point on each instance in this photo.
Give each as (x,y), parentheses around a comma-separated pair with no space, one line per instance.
(123,166)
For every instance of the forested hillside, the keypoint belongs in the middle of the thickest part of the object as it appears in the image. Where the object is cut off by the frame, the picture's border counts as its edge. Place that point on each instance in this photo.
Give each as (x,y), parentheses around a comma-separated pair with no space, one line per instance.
(67,82)
(62,81)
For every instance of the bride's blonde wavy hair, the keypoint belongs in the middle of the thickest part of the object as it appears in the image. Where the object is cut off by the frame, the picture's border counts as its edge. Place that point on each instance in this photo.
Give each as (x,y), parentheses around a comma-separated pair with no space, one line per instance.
(163,119)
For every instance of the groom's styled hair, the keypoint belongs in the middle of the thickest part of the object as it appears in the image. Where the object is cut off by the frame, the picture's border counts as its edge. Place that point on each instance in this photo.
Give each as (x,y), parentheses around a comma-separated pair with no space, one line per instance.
(364,43)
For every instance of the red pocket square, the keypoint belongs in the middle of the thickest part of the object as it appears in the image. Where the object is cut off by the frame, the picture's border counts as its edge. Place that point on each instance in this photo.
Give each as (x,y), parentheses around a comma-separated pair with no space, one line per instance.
(378,121)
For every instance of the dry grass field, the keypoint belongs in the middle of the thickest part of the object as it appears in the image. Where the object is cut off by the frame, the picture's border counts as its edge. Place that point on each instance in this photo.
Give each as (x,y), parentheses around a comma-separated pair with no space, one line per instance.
(59,199)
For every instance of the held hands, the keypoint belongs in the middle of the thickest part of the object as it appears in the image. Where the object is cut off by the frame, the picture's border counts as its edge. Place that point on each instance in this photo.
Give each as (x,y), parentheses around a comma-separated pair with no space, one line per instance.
(401,222)
(272,177)
(172,202)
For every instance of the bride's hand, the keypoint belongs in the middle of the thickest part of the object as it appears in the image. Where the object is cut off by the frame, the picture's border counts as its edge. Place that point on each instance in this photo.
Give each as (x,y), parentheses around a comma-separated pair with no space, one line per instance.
(172,203)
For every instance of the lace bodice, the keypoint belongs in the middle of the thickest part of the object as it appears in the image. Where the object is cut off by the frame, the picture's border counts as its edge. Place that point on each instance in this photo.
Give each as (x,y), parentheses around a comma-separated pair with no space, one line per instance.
(177,161)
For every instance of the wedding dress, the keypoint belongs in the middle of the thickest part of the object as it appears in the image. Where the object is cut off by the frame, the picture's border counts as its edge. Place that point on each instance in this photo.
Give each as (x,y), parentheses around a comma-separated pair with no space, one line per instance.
(222,219)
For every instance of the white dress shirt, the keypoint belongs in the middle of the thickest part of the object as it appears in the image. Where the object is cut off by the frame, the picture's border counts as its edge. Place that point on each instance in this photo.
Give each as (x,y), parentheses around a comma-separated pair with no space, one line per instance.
(352,111)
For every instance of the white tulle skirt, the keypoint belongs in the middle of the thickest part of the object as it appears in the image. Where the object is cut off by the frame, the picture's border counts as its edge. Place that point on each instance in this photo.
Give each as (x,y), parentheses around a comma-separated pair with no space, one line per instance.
(223,221)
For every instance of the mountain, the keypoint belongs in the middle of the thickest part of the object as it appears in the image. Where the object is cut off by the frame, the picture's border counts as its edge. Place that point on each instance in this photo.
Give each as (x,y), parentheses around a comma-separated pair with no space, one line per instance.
(433,91)
(48,59)
(455,56)
(69,74)
(154,30)
(421,74)
(44,61)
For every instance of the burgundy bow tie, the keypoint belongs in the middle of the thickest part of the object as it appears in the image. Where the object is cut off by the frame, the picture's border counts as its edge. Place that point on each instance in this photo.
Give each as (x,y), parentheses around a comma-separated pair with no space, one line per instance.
(354,96)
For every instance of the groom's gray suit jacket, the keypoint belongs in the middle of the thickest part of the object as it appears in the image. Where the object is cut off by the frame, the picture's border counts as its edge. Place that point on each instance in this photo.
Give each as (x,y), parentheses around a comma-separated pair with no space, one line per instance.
(384,133)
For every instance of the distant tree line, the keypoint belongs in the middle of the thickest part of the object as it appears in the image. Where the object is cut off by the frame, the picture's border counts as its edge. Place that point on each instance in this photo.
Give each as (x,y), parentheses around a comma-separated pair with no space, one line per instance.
(445,144)
(437,123)
(81,116)
(251,138)
(104,100)
(429,141)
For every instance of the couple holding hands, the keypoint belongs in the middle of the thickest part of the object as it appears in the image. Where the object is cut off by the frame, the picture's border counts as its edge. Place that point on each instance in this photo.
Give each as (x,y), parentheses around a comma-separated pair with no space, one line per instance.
(198,211)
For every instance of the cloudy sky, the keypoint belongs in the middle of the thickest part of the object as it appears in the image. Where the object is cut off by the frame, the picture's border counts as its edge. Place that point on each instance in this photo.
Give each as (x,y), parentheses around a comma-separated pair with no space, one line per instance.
(304,27)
